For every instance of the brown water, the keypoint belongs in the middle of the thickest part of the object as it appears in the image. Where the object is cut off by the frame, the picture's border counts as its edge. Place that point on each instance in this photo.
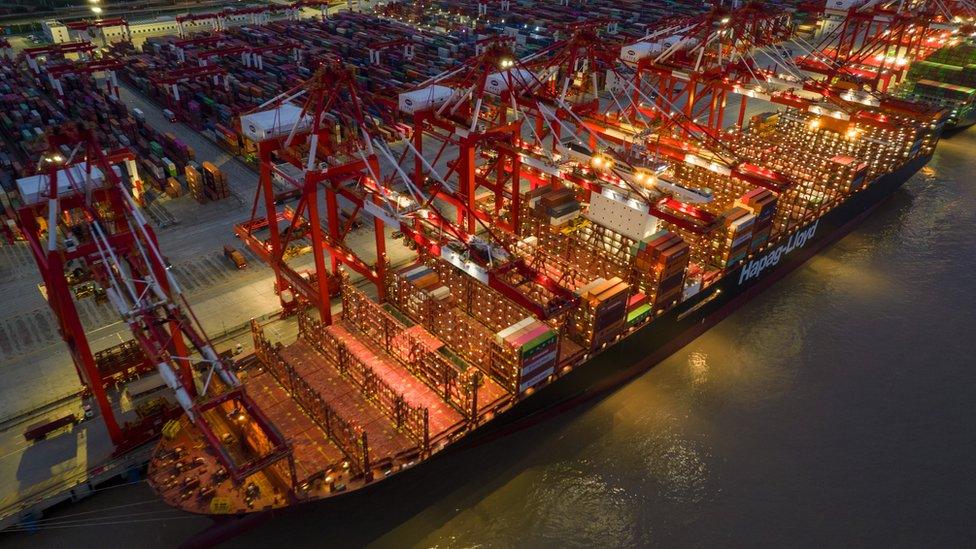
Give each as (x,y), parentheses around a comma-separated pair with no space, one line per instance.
(834,409)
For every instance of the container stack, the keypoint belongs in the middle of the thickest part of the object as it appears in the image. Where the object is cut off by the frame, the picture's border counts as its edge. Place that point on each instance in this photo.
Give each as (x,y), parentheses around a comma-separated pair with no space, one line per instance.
(946,78)
(195,183)
(724,190)
(173,187)
(883,147)
(529,347)
(763,124)
(214,182)
(762,204)
(963,74)
(214,107)
(638,309)
(558,205)
(665,256)
(530,23)
(426,280)
(177,150)
(738,225)
(960,55)
(602,314)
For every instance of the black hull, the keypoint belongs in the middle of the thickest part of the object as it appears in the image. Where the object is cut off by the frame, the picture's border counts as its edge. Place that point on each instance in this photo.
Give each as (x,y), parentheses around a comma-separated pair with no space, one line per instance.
(954,127)
(628,358)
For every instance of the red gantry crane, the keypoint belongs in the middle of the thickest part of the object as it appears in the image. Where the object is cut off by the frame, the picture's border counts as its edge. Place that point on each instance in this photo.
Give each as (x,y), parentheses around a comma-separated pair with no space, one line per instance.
(467,109)
(320,147)
(77,211)
(83,49)
(871,44)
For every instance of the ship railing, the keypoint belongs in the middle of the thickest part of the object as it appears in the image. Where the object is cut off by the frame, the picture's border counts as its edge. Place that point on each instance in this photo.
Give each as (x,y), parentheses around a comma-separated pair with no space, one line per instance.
(412,420)
(459,331)
(426,364)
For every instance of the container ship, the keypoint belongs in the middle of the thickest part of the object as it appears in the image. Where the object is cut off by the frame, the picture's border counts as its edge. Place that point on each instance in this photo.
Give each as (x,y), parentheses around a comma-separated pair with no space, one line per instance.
(946,78)
(578,245)
(500,219)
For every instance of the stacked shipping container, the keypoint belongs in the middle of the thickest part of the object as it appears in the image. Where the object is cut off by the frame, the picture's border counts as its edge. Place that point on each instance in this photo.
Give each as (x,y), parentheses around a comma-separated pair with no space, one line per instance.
(666,256)
(762,204)
(529,347)
(214,106)
(602,313)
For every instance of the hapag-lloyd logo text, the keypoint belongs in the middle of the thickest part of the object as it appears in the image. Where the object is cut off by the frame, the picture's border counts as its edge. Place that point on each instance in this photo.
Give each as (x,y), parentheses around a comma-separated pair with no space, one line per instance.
(771,259)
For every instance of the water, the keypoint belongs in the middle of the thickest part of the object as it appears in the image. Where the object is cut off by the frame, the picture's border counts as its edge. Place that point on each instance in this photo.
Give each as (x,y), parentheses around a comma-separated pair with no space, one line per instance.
(834,409)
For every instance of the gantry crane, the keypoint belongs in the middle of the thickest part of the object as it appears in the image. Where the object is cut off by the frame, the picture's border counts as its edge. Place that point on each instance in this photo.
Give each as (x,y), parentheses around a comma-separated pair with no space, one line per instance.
(321,147)
(78,211)
(179,46)
(172,80)
(211,18)
(687,68)
(83,49)
(322,5)
(467,109)
(873,42)
(107,66)
(87,26)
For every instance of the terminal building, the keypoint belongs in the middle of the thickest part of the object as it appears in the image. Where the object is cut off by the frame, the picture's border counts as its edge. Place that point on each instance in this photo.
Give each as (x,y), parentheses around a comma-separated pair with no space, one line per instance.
(57,31)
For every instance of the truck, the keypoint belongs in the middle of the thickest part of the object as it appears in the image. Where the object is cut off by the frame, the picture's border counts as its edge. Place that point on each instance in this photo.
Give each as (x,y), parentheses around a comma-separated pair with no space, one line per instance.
(234,255)
(170,115)
(42,428)
(139,115)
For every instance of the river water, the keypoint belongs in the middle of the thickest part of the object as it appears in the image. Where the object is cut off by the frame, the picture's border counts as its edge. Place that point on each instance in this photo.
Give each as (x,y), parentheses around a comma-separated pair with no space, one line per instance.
(834,409)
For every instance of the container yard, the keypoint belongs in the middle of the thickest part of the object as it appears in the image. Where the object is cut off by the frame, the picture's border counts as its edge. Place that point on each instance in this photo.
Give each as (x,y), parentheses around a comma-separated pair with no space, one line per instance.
(549,199)
(250,65)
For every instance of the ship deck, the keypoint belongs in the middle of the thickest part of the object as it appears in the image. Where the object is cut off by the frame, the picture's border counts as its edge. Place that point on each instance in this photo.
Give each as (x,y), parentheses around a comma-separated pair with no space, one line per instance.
(313,452)
(441,415)
(490,392)
(186,481)
(346,399)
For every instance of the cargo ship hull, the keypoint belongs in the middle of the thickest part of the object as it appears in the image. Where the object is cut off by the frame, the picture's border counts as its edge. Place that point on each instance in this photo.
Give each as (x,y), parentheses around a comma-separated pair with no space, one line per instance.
(953,127)
(628,358)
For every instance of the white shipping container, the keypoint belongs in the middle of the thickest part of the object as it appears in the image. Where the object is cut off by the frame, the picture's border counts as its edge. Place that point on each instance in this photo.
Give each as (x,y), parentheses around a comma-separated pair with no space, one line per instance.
(639,50)
(635,52)
(743,222)
(841,5)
